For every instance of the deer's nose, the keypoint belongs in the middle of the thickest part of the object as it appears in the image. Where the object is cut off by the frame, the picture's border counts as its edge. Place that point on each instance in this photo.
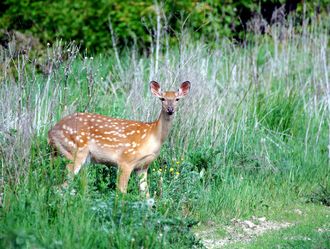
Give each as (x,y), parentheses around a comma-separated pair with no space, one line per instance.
(170,110)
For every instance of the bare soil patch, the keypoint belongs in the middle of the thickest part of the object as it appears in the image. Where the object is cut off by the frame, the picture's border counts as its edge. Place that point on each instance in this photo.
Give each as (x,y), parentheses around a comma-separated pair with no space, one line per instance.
(238,231)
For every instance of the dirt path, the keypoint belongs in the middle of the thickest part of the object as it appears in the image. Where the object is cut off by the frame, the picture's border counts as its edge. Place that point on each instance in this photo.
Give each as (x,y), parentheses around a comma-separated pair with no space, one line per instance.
(237,231)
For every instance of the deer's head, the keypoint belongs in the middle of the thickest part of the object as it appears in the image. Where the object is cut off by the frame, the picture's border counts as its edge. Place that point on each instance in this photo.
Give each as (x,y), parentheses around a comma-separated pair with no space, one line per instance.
(169,99)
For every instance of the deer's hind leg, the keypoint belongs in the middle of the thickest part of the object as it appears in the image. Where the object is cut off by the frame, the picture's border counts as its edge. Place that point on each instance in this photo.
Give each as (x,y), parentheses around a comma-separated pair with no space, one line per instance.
(143,182)
(76,156)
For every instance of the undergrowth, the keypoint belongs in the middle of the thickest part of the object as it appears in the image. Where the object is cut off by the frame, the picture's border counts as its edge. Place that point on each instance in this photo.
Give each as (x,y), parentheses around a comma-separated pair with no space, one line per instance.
(253,136)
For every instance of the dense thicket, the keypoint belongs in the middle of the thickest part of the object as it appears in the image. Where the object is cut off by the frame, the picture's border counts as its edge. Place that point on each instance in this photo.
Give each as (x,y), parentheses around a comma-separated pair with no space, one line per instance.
(88,22)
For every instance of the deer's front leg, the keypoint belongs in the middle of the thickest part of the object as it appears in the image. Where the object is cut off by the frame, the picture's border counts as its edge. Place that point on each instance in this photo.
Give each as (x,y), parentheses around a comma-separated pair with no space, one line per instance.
(124,175)
(143,182)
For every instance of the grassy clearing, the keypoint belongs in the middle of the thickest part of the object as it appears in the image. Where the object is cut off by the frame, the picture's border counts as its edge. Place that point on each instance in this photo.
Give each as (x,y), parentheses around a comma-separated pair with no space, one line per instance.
(252,139)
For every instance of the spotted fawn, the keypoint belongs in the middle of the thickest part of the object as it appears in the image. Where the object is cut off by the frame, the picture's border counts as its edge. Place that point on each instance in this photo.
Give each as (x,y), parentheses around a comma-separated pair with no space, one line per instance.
(130,145)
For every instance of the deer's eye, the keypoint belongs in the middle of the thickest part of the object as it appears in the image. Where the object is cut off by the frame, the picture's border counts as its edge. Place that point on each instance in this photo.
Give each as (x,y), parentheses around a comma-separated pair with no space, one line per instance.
(162,99)
(176,99)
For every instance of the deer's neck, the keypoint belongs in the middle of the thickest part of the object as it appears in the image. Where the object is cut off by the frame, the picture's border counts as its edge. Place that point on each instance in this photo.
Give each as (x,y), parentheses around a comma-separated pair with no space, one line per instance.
(164,124)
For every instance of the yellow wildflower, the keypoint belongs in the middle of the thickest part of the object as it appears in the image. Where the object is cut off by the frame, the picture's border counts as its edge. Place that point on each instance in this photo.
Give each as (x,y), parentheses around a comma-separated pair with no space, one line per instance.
(171,169)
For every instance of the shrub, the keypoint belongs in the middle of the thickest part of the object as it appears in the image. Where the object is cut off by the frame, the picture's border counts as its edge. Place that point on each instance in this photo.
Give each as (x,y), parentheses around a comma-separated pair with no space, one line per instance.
(87,22)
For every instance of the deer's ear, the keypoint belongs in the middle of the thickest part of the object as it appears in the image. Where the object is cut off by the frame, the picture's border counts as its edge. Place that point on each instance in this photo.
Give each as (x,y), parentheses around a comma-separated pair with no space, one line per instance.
(184,89)
(155,89)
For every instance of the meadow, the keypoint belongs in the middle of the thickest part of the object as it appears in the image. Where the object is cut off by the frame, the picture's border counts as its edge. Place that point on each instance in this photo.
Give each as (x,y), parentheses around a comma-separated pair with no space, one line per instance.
(252,139)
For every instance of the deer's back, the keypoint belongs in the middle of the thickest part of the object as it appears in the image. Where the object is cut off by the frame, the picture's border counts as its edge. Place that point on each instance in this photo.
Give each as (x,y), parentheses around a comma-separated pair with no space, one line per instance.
(107,139)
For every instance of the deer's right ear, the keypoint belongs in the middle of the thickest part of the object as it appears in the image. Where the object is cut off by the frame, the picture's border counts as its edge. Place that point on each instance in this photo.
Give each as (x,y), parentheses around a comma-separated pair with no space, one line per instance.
(155,89)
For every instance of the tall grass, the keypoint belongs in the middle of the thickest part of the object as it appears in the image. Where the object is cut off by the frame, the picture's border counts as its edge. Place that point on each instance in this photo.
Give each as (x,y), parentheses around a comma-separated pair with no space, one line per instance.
(252,136)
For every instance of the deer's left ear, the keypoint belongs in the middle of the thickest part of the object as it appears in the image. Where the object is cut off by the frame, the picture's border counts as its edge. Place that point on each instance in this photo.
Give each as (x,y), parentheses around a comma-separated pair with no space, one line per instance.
(184,89)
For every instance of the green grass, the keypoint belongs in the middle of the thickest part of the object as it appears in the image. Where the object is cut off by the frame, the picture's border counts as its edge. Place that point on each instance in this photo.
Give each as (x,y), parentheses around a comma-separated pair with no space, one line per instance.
(251,140)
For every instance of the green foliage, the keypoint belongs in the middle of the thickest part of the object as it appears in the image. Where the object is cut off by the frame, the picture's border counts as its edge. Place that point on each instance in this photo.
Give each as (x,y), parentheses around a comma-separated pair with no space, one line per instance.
(203,158)
(278,112)
(321,194)
(88,22)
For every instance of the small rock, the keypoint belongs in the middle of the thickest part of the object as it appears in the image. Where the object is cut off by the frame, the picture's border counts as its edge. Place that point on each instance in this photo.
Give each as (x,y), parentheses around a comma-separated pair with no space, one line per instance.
(73,192)
(235,221)
(249,224)
(322,230)
(298,211)
(262,219)
(210,223)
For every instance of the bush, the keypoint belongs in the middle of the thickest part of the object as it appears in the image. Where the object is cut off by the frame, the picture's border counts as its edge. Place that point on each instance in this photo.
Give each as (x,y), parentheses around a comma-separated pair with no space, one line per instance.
(321,195)
(87,22)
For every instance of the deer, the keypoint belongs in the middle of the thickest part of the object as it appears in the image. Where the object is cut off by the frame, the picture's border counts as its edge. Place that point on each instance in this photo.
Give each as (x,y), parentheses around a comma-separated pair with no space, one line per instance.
(130,145)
